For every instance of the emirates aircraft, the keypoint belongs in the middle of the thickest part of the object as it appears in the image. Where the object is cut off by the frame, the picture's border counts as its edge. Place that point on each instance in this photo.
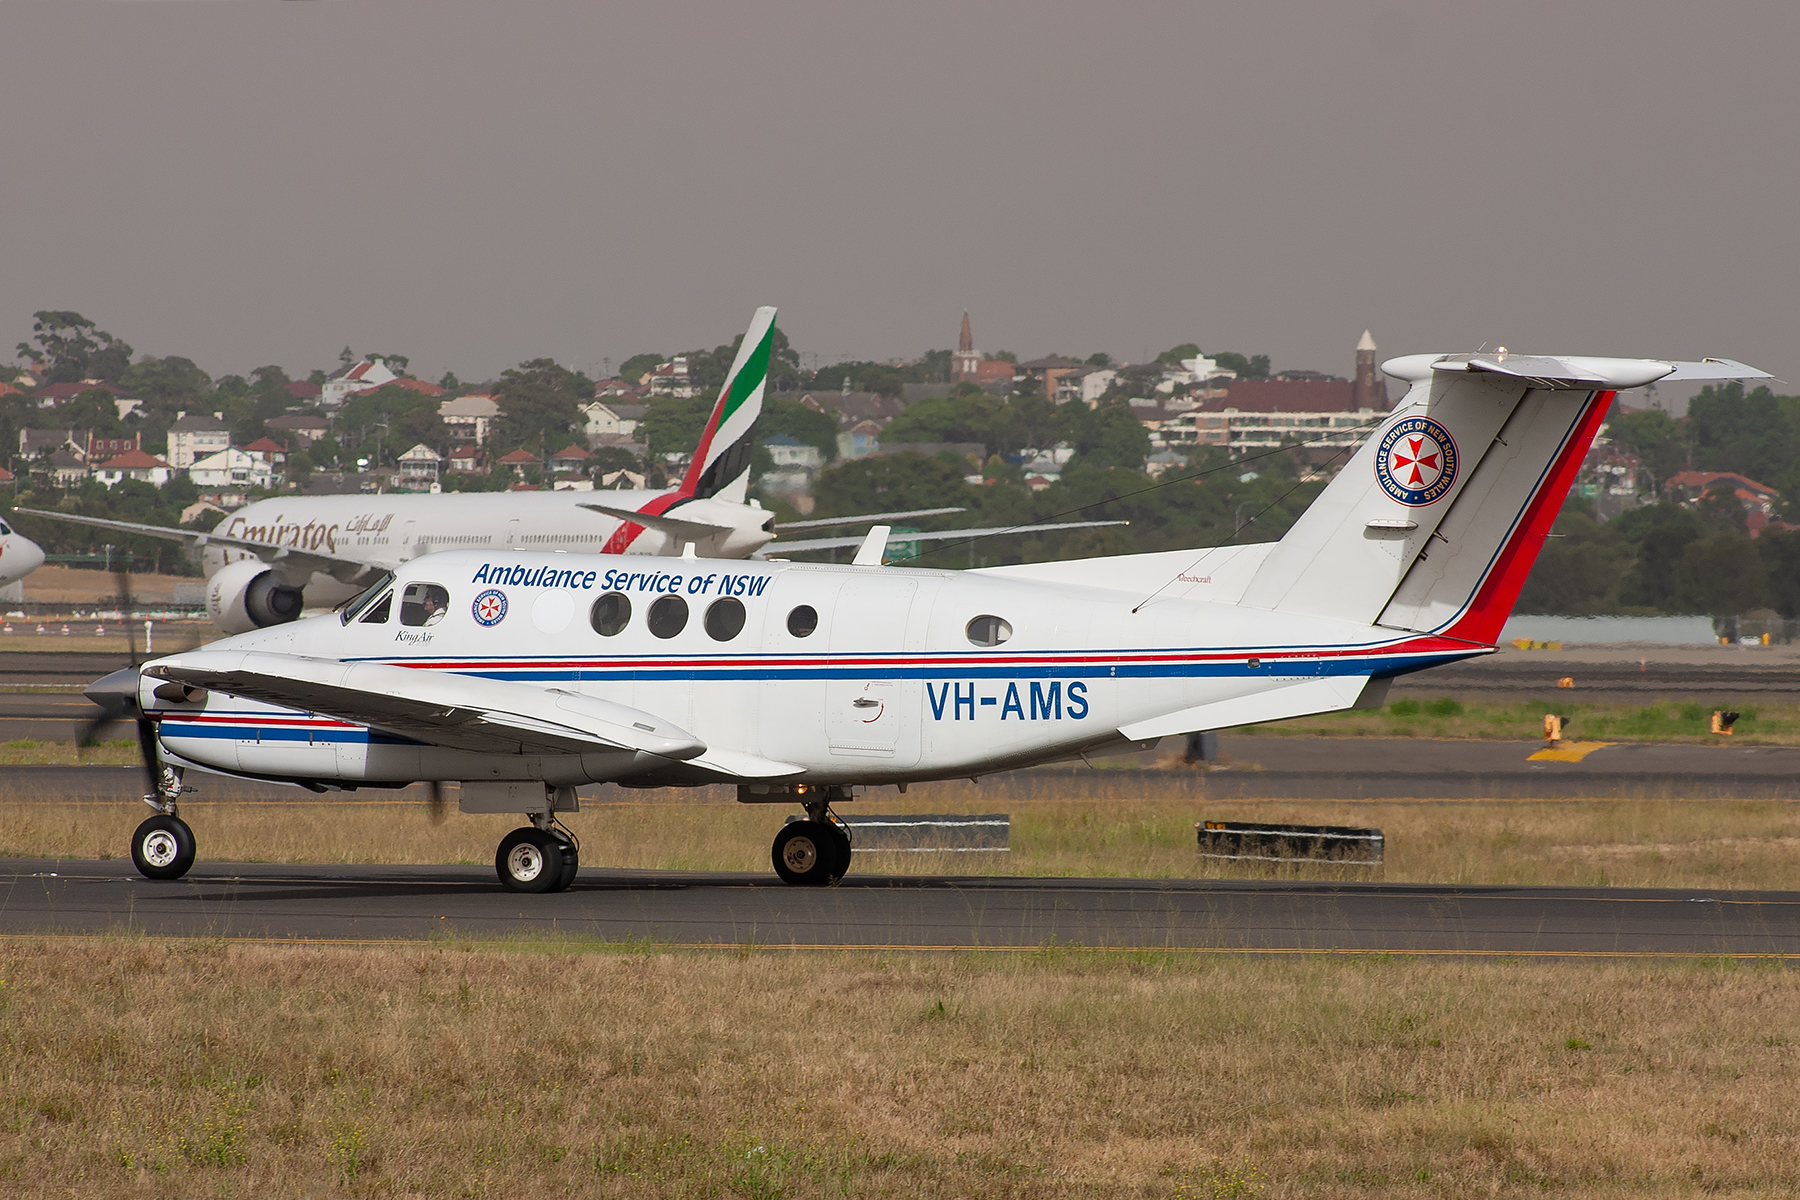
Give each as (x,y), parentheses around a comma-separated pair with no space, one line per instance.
(271,560)
(19,555)
(521,677)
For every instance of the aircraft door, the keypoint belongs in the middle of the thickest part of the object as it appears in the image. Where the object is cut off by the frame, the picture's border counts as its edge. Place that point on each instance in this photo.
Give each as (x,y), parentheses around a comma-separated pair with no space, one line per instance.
(406,542)
(872,714)
(512,532)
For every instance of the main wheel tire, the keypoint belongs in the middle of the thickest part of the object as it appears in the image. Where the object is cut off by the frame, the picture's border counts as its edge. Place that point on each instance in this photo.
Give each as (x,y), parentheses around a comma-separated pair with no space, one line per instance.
(571,860)
(529,860)
(841,839)
(163,848)
(805,853)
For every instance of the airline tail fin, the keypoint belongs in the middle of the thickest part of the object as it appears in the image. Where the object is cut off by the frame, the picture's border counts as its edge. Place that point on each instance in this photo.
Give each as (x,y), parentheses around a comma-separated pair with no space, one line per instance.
(1437,519)
(721,466)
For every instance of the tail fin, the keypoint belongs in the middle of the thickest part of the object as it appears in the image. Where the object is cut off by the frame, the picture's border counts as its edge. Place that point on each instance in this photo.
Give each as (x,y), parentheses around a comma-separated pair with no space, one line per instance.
(721,465)
(1437,519)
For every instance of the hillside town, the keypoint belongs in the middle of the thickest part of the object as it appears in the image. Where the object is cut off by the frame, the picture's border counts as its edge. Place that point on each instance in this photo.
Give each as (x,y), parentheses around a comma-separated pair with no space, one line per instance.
(89,426)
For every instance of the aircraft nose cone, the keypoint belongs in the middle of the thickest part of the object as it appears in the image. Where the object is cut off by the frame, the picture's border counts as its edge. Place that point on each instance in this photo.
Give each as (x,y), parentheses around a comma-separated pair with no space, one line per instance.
(22,557)
(115,693)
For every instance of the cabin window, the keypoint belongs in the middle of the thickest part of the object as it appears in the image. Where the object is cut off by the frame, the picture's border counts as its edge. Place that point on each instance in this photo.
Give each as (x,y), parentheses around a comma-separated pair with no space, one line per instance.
(725,619)
(610,614)
(988,631)
(668,616)
(378,611)
(803,620)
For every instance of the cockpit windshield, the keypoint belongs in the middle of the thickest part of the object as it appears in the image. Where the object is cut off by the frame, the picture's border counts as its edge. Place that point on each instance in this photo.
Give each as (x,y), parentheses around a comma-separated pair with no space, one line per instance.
(362,599)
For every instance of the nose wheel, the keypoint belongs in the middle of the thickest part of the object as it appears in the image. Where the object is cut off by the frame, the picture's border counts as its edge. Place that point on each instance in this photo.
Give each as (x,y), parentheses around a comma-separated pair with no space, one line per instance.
(163,847)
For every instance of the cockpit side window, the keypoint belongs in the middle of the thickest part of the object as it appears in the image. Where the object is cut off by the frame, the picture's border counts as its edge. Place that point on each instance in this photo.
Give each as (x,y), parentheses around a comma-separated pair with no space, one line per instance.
(423,604)
(352,608)
(5,529)
(378,611)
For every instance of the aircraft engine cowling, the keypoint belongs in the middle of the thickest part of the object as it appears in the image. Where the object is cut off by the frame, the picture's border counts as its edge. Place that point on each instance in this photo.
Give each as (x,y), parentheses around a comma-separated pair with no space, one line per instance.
(248,595)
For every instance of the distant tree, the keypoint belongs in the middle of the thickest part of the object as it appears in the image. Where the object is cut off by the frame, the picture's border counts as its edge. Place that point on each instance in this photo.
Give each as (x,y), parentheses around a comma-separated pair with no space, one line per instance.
(1755,433)
(1172,357)
(1720,575)
(1659,533)
(1578,572)
(1722,509)
(74,348)
(890,482)
(268,379)
(783,415)
(1107,435)
(639,365)
(673,424)
(171,383)
(1003,356)
(93,409)
(1102,360)
(397,363)
(1656,438)
(540,403)
(450,382)
(347,357)
(935,366)
(1254,367)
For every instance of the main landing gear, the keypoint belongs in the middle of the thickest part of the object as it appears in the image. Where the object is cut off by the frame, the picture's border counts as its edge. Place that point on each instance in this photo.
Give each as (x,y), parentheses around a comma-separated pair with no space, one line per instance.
(542,857)
(814,852)
(163,846)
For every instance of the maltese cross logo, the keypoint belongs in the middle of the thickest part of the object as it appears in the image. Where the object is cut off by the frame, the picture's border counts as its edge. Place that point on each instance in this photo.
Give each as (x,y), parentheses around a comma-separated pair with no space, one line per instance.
(490,607)
(1416,463)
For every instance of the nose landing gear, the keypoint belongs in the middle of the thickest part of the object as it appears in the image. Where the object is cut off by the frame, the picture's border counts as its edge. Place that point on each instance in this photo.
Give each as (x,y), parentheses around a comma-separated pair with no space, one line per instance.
(163,846)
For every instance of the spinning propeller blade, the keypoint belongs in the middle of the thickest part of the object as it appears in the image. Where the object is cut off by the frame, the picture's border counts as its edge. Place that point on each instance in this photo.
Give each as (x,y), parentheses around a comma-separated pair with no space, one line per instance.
(436,806)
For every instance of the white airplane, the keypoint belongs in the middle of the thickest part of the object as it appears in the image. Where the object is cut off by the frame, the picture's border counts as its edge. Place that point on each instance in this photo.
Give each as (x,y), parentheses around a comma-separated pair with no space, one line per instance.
(19,555)
(270,560)
(524,675)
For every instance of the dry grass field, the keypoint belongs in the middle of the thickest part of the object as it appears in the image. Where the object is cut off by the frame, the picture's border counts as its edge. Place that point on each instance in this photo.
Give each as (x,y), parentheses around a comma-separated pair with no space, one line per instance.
(1682,721)
(160,1069)
(1113,826)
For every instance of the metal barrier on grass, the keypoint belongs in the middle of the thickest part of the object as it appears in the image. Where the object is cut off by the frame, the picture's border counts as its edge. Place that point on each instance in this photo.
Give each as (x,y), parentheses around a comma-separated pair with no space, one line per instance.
(920,833)
(1250,840)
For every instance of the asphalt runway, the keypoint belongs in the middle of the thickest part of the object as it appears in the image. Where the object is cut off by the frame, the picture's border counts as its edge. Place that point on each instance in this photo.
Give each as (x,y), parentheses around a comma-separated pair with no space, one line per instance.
(397,903)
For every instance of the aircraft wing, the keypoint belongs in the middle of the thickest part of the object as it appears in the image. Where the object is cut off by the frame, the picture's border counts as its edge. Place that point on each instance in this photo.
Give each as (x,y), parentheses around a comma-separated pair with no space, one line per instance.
(833,543)
(461,712)
(195,537)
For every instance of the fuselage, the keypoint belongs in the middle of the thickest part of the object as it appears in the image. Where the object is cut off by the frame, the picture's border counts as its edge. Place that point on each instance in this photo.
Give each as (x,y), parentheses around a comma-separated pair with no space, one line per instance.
(394,528)
(852,674)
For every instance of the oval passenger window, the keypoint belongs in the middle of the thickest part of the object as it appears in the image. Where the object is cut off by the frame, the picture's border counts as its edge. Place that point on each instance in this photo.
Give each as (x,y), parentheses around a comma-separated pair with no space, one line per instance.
(611,613)
(803,620)
(988,631)
(668,616)
(725,619)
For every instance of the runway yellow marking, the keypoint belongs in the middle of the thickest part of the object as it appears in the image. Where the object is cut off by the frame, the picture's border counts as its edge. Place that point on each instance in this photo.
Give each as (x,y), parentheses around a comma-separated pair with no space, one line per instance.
(1568,752)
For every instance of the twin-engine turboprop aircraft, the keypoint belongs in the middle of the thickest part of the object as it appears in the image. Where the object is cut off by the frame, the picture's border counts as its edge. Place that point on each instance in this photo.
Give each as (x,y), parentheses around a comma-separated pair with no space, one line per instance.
(524,675)
(271,559)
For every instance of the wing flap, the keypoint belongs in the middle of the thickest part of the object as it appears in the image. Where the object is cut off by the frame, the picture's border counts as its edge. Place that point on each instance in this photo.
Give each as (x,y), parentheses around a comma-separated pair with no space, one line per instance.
(458,711)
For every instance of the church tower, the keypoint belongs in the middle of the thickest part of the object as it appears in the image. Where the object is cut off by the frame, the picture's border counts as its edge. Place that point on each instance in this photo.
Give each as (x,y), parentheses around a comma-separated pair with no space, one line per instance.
(966,364)
(1371,386)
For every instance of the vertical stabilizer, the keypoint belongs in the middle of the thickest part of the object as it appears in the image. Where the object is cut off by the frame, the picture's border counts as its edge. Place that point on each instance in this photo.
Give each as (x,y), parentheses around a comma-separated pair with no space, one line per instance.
(721,465)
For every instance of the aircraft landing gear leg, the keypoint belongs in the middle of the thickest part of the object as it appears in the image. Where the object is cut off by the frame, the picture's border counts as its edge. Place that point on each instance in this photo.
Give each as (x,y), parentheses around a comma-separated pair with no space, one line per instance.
(163,846)
(542,857)
(814,852)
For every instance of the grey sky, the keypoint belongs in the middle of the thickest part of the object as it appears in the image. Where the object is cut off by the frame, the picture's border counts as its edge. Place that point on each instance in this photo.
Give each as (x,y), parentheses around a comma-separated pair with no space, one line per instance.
(473,184)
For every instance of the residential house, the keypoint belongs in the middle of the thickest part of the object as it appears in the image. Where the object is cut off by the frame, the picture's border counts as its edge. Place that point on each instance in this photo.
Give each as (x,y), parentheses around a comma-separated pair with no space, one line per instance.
(467,460)
(518,460)
(36,442)
(66,469)
(1087,385)
(198,509)
(232,468)
(850,408)
(570,458)
(358,377)
(860,440)
(788,451)
(469,418)
(304,391)
(1759,499)
(1050,372)
(134,464)
(408,383)
(98,448)
(611,419)
(301,429)
(672,379)
(273,452)
(195,436)
(420,466)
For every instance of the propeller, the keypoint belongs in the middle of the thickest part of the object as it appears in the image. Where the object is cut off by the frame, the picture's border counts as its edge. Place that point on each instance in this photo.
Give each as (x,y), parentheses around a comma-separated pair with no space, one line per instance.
(117,694)
(437,806)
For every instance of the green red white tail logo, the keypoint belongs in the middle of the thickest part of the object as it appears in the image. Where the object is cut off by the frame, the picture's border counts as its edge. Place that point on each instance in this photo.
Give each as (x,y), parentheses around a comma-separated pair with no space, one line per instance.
(721,465)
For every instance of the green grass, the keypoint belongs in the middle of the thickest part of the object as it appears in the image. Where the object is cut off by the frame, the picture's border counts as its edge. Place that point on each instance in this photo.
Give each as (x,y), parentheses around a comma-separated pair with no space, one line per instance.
(1666,721)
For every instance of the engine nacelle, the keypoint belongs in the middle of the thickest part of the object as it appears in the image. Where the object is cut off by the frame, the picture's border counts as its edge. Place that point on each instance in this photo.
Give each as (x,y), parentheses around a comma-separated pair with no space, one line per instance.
(248,595)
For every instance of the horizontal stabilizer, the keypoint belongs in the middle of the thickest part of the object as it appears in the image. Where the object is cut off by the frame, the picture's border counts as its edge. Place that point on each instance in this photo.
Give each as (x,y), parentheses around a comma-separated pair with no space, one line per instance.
(691,531)
(458,711)
(1568,372)
(1330,694)
(823,522)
